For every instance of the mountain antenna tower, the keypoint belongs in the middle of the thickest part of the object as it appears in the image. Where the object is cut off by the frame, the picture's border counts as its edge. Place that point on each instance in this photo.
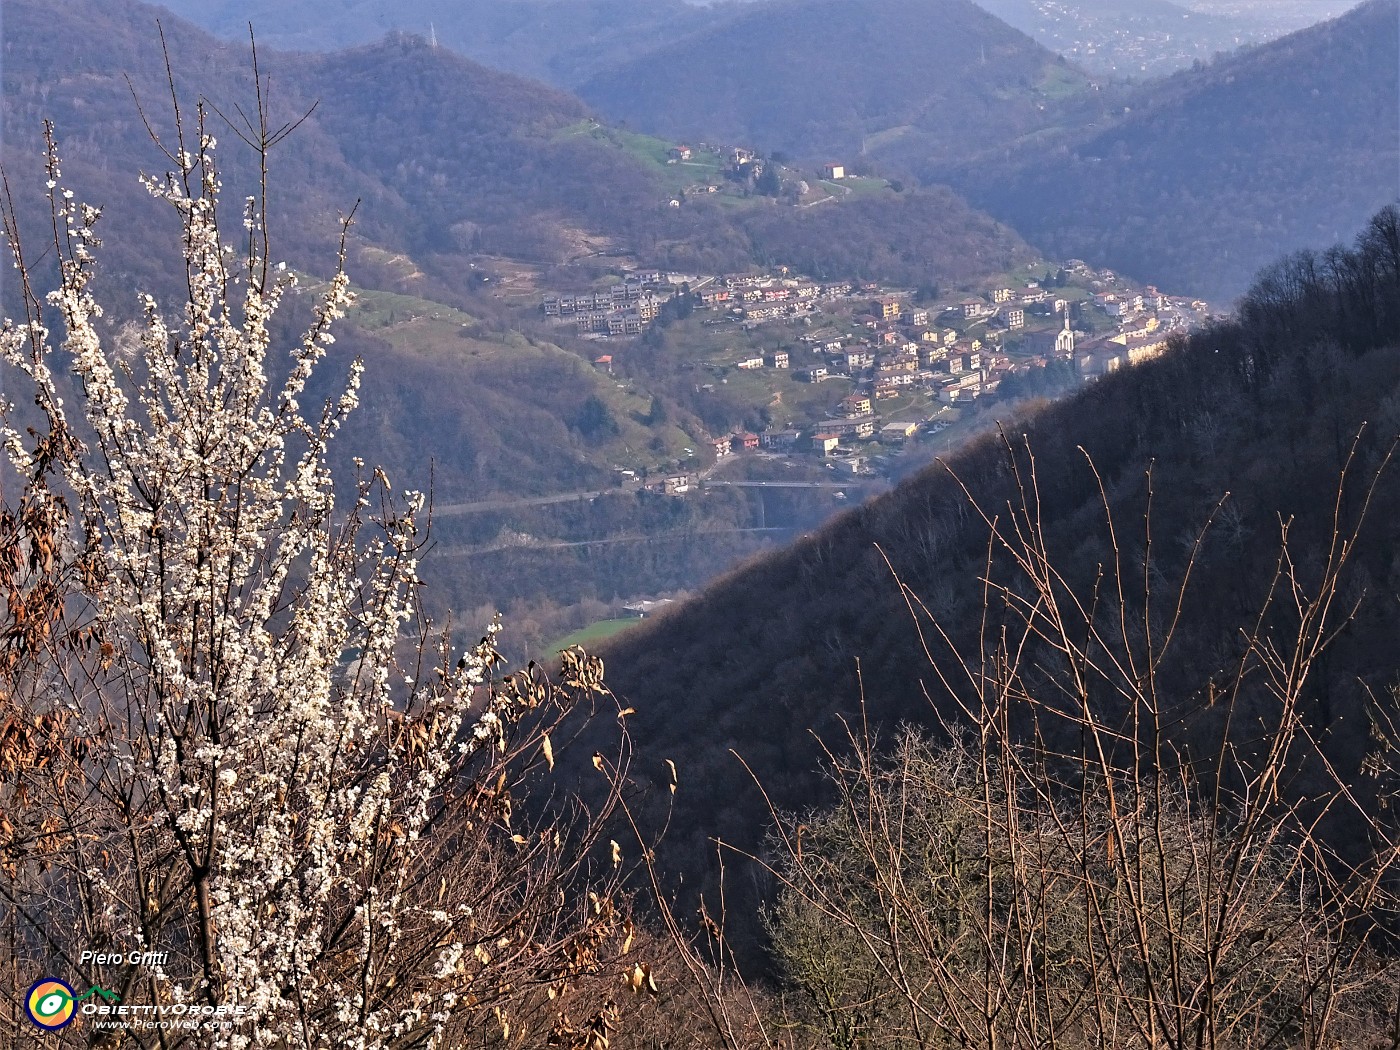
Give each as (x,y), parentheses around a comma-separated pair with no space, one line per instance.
(432,35)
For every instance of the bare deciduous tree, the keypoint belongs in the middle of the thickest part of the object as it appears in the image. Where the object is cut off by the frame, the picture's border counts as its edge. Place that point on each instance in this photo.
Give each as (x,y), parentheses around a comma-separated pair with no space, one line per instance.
(1102,853)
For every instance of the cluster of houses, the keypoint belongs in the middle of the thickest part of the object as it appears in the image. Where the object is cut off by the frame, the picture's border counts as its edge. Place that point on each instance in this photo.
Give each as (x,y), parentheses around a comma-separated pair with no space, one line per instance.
(735,155)
(621,310)
(1143,322)
(627,308)
(752,299)
(905,350)
(823,439)
(827,438)
(744,441)
(772,359)
(954,353)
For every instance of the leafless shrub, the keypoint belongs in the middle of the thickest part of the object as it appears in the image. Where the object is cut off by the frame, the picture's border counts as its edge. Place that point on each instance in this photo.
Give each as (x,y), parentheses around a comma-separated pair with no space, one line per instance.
(1104,851)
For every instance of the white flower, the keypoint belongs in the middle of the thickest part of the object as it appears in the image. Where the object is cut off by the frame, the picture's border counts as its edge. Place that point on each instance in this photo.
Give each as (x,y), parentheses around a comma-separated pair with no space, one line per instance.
(261,749)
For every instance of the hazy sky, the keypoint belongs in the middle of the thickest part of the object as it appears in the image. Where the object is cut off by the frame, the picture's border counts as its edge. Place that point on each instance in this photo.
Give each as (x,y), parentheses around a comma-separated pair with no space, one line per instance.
(1311,10)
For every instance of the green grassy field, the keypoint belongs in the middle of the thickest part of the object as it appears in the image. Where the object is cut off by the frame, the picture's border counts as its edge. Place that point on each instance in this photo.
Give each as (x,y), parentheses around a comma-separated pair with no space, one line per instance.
(374,310)
(1061,82)
(860,186)
(1037,271)
(653,153)
(877,139)
(592,633)
(435,330)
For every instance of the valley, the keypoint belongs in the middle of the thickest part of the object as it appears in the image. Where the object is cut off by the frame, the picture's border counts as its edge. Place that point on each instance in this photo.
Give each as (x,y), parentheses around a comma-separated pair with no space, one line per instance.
(966,432)
(763,403)
(1141,39)
(904,320)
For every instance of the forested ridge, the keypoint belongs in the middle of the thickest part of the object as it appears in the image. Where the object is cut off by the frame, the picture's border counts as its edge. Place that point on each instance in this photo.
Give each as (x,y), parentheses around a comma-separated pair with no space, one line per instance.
(459,176)
(561,42)
(818,77)
(1194,181)
(1248,425)
(448,160)
(1191,182)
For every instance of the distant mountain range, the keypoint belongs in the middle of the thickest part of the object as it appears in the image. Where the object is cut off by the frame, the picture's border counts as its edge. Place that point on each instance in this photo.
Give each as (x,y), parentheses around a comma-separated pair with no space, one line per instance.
(462,174)
(450,159)
(939,78)
(562,42)
(462,171)
(1192,182)
(444,154)
(1137,39)
(1198,180)
(461,390)
(466,177)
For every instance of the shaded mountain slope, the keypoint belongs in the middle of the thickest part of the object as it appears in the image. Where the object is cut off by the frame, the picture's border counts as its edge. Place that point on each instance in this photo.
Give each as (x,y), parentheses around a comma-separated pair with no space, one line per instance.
(447,159)
(561,42)
(817,77)
(1213,172)
(1265,409)
(424,139)
(461,174)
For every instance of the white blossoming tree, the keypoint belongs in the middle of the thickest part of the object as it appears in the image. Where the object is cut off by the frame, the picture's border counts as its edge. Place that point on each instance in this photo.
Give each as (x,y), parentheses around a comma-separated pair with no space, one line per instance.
(228,738)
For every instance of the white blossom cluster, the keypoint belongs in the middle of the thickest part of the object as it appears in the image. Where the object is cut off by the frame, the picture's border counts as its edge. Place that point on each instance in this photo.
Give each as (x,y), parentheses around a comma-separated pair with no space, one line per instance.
(273,765)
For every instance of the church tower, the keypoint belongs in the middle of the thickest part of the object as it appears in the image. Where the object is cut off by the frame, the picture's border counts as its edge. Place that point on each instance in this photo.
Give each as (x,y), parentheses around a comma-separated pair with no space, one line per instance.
(1064,342)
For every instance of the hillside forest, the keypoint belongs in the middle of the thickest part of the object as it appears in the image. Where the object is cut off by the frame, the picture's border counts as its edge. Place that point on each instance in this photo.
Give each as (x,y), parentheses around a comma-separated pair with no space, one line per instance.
(1158,507)
(1090,755)
(1067,715)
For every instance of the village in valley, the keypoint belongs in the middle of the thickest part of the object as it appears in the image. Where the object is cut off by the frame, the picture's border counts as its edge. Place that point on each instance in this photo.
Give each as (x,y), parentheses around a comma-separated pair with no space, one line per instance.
(854,375)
